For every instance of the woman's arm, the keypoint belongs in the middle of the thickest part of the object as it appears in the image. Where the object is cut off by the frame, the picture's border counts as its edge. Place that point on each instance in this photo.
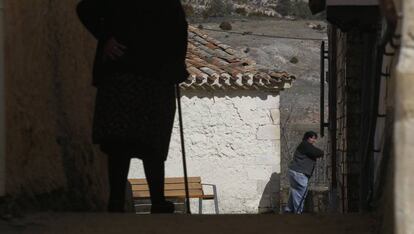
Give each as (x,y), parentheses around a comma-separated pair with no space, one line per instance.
(310,150)
(97,19)
(314,152)
(91,14)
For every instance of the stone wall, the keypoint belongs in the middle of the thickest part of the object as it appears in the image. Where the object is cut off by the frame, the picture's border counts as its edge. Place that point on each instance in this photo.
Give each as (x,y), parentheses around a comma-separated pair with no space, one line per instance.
(364,161)
(232,141)
(349,109)
(51,163)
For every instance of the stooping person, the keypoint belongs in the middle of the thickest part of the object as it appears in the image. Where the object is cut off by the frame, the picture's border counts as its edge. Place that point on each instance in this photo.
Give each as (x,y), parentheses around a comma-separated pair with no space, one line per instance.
(300,171)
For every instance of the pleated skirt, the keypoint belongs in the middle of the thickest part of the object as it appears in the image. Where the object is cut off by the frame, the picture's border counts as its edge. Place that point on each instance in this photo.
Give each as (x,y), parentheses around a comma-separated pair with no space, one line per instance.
(134,115)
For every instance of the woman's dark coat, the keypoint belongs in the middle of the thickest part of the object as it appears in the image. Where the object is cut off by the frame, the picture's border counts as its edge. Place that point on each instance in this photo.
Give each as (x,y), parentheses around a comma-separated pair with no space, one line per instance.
(154,32)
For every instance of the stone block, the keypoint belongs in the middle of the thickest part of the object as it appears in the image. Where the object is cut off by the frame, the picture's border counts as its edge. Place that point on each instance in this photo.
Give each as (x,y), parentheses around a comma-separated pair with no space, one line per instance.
(268,102)
(276,168)
(258,173)
(275,115)
(268,132)
(243,102)
(268,159)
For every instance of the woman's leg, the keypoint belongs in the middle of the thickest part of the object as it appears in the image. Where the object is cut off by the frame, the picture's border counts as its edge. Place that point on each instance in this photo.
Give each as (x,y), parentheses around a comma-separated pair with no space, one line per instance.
(118,166)
(299,186)
(154,172)
(289,206)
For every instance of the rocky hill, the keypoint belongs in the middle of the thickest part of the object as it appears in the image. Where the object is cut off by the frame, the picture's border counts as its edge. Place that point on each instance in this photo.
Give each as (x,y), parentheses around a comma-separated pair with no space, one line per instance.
(273,8)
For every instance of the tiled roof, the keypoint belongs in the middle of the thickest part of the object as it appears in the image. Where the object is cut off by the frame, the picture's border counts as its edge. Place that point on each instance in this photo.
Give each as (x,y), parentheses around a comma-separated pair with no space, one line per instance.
(214,65)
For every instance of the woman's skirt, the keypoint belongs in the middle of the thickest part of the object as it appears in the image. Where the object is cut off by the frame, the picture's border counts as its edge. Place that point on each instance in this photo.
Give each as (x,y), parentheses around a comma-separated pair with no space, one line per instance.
(134,114)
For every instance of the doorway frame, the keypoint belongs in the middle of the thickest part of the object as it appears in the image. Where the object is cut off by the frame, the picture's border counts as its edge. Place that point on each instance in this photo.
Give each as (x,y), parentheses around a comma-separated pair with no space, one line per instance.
(2,106)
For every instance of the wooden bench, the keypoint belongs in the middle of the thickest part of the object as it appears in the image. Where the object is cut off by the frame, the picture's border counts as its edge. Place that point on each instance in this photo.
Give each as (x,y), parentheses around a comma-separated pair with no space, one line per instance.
(174,188)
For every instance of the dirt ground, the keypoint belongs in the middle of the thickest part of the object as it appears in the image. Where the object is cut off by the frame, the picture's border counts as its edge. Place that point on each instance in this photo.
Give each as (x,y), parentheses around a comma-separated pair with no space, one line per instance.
(240,224)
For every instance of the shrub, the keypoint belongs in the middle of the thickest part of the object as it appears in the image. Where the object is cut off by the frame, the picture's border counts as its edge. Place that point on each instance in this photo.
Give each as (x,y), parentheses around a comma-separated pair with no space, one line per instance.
(218,8)
(189,10)
(241,11)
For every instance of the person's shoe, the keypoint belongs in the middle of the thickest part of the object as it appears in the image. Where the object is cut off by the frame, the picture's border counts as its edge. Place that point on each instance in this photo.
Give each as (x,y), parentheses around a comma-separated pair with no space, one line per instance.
(165,207)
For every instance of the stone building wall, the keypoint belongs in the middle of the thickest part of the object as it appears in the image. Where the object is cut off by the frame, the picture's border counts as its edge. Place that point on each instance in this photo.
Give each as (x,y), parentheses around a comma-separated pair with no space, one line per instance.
(349,60)
(351,106)
(232,141)
(51,163)
(300,103)
(364,117)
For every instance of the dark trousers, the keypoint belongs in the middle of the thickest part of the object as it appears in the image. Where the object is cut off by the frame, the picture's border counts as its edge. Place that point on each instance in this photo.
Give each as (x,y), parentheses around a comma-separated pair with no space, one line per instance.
(118,167)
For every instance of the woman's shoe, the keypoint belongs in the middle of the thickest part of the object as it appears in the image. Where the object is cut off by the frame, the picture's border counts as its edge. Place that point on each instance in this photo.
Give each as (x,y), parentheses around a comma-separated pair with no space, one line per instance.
(165,207)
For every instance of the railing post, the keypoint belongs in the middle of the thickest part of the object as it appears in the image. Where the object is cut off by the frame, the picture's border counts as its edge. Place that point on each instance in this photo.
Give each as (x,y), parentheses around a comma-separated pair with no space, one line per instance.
(324,56)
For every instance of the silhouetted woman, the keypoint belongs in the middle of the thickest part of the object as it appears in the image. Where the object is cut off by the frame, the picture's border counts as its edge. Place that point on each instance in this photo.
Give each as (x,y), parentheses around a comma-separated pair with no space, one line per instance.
(140,56)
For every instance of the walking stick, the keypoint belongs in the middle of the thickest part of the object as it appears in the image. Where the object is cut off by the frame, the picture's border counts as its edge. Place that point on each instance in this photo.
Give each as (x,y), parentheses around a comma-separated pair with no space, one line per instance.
(180,117)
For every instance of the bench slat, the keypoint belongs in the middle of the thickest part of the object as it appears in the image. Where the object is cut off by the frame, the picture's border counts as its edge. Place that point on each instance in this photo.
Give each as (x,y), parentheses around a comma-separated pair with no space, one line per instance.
(170,194)
(168,187)
(169,180)
(174,188)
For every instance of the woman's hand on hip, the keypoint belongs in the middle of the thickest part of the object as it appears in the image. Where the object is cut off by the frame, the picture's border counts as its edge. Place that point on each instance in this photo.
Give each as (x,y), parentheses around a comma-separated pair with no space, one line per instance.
(113,49)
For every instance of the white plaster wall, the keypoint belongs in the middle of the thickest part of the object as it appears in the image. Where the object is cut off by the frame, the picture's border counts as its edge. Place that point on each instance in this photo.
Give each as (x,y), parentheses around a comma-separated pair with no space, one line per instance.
(233,141)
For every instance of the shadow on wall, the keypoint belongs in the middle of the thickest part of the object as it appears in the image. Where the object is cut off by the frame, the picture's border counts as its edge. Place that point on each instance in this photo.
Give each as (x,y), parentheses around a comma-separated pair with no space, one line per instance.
(269,202)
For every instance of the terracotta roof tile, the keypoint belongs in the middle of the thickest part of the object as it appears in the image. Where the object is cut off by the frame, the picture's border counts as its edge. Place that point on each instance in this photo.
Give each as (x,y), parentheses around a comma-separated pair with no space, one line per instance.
(214,65)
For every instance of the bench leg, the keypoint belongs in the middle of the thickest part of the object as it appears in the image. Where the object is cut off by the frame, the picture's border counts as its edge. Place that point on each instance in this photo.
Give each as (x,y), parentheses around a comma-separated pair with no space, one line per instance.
(200,206)
(216,207)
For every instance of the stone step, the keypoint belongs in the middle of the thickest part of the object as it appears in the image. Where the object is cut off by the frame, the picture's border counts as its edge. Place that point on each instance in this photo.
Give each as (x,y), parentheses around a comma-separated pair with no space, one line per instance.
(144,207)
(100,223)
